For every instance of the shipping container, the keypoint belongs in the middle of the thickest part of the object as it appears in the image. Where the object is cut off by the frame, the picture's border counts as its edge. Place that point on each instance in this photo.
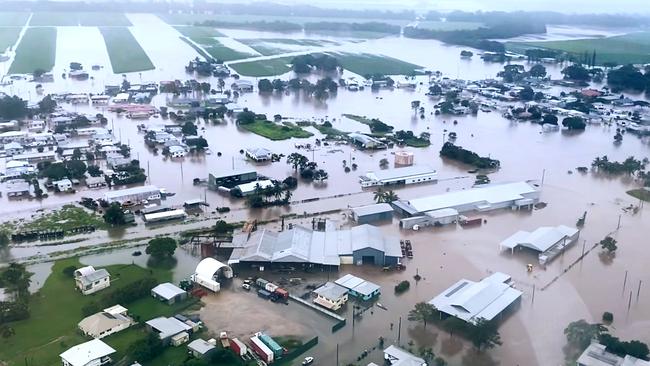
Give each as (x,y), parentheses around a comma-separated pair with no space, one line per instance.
(272,344)
(261,283)
(261,349)
(238,347)
(263,294)
(270,287)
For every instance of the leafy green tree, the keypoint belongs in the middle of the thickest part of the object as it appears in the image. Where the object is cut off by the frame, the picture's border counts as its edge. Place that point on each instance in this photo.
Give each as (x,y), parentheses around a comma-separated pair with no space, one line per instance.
(390,196)
(265,86)
(16,279)
(576,72)
(161,247)
(47,105)
(246,117)
(297,160)
(12,107)
(114,215)
(608,317)
(383,163)
(146,349)
(609,244)
(549,119)
(422,312)
(484,334)
(94,171)
(538,71)
(189,128)
(574,123)
(222,227)
(579,334)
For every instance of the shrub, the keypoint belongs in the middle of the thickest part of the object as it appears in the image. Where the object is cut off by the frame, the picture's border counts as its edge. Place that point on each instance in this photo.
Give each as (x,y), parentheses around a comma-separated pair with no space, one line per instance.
(608,317)
(69,271)
(402,287)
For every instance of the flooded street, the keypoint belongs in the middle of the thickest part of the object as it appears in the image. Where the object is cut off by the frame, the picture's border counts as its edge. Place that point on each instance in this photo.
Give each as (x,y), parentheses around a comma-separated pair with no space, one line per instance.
(553,296)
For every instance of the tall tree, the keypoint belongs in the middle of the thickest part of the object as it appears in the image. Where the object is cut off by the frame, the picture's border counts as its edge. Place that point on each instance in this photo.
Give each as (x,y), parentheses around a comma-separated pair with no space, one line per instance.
(161,247)
(484,334)
(422,312)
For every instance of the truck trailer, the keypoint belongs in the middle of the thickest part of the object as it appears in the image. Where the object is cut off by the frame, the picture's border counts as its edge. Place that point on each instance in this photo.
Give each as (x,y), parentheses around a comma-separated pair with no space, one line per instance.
(261,349)
(272,344)
(238,347)
(264,294)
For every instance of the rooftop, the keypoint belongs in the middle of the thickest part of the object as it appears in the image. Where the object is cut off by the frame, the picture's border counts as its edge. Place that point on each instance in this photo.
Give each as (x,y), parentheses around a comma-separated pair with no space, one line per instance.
(331,290)
(167,290)
(94,276)
(399,357)
(541,240)
(489,194)
(200,346)
(372,209)
(401,173)
(129,191)
(82,354)
(167,327)
(356,284)
(469,300)
(597,355)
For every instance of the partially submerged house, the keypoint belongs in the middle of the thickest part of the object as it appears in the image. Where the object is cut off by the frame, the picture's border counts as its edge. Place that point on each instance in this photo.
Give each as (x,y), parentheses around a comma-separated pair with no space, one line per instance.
(487,299)
(358,287)
(331,296)
(395,356)
(89,280)
(413,174)
(598,355)
(258,154)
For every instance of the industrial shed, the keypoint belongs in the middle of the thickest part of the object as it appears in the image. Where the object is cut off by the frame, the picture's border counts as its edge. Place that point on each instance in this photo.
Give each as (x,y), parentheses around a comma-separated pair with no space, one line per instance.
(372,213)
(168,293)
(547,241)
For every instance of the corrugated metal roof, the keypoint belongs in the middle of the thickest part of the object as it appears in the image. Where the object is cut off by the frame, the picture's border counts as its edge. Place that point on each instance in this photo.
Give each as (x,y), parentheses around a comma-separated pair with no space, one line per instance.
(167,290)
(401,173)
(372,209)
(541,240)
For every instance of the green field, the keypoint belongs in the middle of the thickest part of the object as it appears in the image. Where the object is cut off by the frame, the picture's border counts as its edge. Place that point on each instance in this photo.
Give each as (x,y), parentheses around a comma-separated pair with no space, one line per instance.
(94,19)
(225,54)
(363,64)
(36,50)
(8,37)
(198,32)
(629,48)
(262,68)
(276,46)
(448,26)
(13,19)
(56,310)
(275,131)
(124,51)
(642,193)
(196,48)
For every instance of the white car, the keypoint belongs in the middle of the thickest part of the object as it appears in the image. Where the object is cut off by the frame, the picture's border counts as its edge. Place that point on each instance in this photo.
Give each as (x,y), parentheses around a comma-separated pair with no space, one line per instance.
(308,360)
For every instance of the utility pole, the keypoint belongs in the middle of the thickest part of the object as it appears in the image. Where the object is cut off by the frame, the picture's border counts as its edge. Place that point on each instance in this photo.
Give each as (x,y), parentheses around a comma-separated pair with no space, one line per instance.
(533,299)
(337,354)
(148,172)
(624,283)
(638,291)
(399,330)
(619,222)
(543,176)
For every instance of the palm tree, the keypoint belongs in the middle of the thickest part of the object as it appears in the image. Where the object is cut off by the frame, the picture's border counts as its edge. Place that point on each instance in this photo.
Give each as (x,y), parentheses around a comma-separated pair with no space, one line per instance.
(390,196)
(379,195)
(297,160)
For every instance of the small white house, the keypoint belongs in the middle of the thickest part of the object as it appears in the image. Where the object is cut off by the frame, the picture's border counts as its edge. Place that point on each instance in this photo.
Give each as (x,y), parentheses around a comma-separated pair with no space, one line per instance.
(14,148)
(88,280)
(36,126)
(91,353)
(258,154)
(177,151)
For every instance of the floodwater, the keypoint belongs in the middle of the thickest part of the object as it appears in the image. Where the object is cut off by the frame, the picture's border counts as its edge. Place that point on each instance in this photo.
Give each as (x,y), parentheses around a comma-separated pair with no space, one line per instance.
(532,335)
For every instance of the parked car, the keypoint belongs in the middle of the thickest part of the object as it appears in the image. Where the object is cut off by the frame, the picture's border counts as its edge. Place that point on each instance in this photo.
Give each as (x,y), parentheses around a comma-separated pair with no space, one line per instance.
(246,287)
(308,360)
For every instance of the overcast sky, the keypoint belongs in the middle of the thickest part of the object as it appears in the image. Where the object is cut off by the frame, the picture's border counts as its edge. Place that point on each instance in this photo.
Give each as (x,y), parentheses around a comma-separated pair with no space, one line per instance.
(565,6)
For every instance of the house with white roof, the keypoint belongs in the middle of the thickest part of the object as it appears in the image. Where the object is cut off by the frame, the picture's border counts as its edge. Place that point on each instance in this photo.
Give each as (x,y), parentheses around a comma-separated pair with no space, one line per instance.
(13,148)
(177,151)
(63,185)
(331,296)
(107,322)
(89,280)
(91,353)
(548,241)
(469,301)
(17,188)
(168,293)
(396,356)
(258,154)
(358,287)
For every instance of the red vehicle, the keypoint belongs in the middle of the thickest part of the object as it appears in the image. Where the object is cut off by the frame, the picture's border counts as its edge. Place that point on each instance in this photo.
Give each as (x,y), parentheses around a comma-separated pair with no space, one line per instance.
(282,293)
(238,347)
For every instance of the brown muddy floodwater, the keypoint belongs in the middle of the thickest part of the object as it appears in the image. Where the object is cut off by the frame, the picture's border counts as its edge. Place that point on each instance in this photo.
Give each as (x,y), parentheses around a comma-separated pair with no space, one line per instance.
(532,335)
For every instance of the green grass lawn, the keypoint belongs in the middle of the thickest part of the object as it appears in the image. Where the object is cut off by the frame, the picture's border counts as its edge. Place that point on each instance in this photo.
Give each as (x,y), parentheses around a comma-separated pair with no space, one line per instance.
(56,311)
(275,131)
(448,26)
(205,37)
(125,52)
(641,193)
(8,37)
(36,50)
(262,68)
(629,48)
(363,64)
(417,142)
(274,46)
(91,19)
(68,217)
(13,19)
(225,54)
(190,19)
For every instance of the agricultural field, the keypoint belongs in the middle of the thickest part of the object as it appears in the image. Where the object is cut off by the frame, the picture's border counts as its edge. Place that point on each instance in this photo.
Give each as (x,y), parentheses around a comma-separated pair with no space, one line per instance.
(223,53)
(13,19)
(275,131)
(448,26)
(89,19)
(363,64)
(57,308)
(629,48)
(263,68)
(8,37)
(197,33)
(36,50)
(206,38)
(125,52)
(276,46)
(190,19)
